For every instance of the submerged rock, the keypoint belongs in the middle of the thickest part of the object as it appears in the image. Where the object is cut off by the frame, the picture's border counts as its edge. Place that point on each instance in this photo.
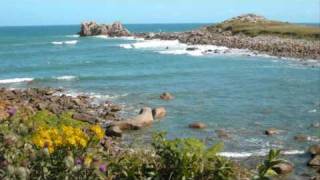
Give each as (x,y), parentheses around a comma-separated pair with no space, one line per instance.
(159,112)
(197,125)
(223,134)
(93,29)
(166,96)
(272,131)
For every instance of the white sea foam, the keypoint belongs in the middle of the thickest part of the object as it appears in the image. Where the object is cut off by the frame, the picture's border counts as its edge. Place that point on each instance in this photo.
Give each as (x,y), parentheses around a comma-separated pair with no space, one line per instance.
(73,36)
(72,42)
(128,38)
(260,153)
(66,77)
(15,80)
(176,48)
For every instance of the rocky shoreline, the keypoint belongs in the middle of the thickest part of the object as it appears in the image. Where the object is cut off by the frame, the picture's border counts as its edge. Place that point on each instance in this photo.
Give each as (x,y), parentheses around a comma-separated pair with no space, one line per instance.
(273,45)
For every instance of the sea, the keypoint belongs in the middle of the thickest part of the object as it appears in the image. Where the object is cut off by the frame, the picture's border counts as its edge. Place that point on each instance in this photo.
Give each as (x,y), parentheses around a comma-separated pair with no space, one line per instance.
(239,91)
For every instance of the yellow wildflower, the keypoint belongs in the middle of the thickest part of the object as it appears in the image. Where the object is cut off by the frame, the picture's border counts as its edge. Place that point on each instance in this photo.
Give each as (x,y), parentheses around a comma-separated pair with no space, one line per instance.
(98,131)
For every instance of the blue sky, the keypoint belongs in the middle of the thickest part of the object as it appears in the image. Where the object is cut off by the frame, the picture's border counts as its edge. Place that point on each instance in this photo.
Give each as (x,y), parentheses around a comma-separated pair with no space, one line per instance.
(54,12)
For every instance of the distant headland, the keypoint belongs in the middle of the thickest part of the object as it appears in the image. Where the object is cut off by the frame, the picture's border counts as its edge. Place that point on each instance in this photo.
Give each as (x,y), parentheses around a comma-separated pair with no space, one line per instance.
(249,31)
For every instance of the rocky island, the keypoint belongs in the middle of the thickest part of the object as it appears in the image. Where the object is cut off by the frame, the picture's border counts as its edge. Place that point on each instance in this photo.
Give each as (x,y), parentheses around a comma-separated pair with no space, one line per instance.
(249,31)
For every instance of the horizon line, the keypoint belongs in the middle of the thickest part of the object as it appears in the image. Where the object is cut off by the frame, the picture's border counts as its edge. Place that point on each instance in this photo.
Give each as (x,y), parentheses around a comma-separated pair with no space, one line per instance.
(40,25)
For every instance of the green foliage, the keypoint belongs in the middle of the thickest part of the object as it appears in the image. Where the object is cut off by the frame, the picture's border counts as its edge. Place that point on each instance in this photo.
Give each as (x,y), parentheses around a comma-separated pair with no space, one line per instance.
(265,170)
(265,27)
(166,159)
(190,159)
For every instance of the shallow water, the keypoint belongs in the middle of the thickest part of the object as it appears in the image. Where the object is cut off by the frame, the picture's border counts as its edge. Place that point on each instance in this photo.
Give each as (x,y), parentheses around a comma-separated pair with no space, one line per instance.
(239,93)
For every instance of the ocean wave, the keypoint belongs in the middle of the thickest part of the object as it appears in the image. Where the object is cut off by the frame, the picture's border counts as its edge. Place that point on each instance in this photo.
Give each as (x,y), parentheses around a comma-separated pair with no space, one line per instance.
(65,77)
(72,42)
(260,153)
(174,47)
(127,38)
(15,80)
(73,36)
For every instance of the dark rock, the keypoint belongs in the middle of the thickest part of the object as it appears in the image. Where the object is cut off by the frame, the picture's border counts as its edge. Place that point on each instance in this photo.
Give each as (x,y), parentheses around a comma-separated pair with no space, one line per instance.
(159,112)
(315,161)
(197,125)
(283,168)
(166,96)
(272,131)
(315,149)
(191,48)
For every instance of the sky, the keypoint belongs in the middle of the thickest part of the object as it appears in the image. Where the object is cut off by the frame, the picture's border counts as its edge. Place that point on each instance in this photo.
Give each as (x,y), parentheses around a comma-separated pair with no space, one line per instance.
(64,12)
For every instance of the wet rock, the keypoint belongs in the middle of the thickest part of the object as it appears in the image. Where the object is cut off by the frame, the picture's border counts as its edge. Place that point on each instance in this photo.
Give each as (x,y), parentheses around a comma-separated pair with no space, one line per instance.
(283,168)
(166,96)
(159,112)
(315,161)
(197,125)
(272,131)
(84,117)
(223,134)
(314,149)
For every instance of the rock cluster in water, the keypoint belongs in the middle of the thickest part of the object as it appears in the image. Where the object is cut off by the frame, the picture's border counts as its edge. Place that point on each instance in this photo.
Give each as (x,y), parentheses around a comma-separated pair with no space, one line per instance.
(93,29)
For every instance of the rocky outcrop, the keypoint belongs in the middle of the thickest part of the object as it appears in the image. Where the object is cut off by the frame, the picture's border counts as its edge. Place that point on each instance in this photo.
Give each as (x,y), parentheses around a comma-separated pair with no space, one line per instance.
(93,29)
(56,102)
(314,150)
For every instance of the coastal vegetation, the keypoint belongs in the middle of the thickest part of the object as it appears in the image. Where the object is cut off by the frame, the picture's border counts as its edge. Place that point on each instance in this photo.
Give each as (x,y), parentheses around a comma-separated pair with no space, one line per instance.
(263,26)
(40,144)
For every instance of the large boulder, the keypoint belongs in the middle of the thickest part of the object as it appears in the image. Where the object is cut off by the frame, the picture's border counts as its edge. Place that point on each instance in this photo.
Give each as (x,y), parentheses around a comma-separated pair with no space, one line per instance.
(143,119)
(93,29)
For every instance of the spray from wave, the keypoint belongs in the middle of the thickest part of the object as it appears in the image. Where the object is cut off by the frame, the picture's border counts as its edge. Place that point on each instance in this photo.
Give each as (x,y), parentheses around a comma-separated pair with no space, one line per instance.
(15,80)
(65,42)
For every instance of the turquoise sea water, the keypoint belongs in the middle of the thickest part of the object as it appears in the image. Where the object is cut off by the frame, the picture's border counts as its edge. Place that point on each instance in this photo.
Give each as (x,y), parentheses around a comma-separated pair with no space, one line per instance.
(243,95)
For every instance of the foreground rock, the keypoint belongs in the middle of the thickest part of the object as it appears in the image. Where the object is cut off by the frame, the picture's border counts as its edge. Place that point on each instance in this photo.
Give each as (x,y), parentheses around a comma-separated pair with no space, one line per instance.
(93,29)
(145,118)
(197,125)
(283,168)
